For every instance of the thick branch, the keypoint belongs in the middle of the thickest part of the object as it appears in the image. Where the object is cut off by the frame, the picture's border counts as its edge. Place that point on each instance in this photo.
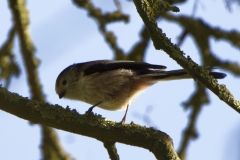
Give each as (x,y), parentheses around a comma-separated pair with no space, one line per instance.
(20,17)
(160,41)
(88,125)
(50,145)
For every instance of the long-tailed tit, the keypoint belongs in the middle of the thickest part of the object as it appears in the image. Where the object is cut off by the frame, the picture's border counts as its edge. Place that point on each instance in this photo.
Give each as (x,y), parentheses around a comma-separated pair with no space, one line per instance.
(112,85)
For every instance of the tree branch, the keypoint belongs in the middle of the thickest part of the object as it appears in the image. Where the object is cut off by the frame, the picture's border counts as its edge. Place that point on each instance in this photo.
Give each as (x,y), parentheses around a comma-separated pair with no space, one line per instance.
(8,66)
(202,32)
(88,125)
(112,150)
(138,50)
(196,104)
(51,148)
(20,17)
(102,21)
(160,41)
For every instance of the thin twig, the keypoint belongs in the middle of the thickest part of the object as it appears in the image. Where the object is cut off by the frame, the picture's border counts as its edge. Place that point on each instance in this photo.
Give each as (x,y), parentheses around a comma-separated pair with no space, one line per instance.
(112,150)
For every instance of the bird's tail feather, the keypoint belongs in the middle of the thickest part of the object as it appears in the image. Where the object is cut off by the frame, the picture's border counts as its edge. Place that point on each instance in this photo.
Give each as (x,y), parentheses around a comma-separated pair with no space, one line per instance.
(179,74)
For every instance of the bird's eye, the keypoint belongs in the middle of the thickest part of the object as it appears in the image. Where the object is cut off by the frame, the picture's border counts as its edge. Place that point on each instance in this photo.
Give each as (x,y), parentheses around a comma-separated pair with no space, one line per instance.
(64,82)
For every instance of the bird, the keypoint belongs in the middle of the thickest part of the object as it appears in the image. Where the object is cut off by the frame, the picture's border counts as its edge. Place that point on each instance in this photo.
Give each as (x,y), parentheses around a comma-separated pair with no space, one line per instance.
(114,84)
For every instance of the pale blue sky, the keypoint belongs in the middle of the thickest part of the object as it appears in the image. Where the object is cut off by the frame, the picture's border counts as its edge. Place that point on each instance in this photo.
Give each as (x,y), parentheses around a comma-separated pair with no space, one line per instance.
(63,35)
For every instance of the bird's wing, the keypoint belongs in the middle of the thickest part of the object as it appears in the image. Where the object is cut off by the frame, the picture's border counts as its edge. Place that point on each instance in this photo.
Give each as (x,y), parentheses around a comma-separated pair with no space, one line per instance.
(108,65)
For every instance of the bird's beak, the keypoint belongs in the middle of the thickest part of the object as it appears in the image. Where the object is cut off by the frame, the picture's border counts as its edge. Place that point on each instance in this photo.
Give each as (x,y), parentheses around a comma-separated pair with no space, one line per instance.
(61,94)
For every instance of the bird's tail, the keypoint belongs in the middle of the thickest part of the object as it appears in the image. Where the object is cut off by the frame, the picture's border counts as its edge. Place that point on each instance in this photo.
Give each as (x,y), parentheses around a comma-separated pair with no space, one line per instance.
(178,74)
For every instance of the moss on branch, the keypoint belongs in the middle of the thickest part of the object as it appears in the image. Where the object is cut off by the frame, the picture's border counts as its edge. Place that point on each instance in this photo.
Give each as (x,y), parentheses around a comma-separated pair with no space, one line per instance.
(89,125)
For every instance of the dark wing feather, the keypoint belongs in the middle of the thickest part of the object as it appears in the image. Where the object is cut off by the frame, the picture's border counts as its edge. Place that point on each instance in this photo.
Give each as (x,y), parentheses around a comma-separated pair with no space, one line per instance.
(108,65)
(181,72)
